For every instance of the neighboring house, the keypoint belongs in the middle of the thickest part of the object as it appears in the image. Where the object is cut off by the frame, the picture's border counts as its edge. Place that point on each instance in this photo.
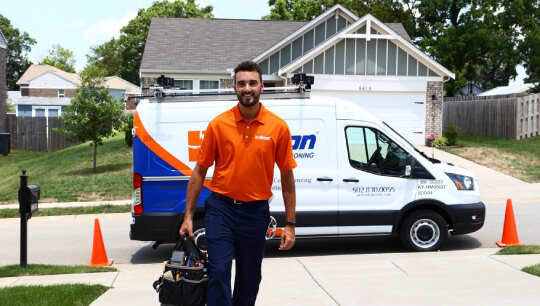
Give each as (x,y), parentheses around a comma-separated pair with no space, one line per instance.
(3,90)
(47,90)
(362,59)
(509,90)
(471,89)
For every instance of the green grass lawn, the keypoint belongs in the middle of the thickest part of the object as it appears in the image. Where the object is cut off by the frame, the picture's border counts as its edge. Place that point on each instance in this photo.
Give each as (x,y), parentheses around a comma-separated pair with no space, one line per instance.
(517,158)
(57,295)
(520,250)
(63,211)
(66,175)
(34,269)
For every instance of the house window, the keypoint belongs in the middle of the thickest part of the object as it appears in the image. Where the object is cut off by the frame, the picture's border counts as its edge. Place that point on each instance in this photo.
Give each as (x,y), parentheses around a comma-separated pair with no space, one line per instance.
(61,93)
(184,84)
(209,84)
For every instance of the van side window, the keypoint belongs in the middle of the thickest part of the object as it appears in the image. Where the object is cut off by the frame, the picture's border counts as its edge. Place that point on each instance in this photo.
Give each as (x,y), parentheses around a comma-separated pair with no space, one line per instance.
(372,151)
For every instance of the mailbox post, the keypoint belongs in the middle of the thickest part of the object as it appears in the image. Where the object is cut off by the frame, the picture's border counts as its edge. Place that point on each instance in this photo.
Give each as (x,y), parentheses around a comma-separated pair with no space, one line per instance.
(28,204)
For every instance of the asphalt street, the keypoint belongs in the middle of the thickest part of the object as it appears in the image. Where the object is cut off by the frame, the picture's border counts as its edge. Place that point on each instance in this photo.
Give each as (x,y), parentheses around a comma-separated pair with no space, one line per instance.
(68,239)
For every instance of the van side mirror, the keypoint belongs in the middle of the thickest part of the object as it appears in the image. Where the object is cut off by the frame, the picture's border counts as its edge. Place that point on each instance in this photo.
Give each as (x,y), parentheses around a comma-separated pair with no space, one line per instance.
(409,166)
(414,169)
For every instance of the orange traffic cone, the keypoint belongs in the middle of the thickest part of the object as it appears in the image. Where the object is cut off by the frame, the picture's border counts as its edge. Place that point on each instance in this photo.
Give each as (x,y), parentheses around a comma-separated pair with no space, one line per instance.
(99,255)
(510,236)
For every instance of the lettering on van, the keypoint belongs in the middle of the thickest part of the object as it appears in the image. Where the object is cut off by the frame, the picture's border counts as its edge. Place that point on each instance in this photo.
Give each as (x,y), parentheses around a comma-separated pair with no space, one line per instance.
(195,139)
(276,185)
(373,191)
(425,185)
(303,143)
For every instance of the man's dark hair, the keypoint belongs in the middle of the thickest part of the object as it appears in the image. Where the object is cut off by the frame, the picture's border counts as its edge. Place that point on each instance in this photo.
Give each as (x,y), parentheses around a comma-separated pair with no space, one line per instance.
(248,66)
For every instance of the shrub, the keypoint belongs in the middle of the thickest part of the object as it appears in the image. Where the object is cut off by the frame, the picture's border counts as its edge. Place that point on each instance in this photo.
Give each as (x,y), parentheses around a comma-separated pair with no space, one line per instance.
(451,132)
(128,126)
(439,142)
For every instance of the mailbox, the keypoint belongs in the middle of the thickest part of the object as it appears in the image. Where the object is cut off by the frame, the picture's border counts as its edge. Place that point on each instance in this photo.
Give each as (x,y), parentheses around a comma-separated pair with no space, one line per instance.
(28,198)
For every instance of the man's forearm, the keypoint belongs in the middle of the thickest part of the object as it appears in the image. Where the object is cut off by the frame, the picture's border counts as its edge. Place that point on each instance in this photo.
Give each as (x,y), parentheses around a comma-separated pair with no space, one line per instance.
(289,195)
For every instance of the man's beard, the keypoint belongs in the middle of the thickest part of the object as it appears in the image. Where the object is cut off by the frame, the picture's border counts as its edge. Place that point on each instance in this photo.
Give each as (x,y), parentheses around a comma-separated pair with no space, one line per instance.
(248,101)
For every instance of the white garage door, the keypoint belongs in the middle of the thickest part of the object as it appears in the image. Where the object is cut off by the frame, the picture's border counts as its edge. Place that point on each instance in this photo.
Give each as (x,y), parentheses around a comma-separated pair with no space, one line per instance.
(403,111)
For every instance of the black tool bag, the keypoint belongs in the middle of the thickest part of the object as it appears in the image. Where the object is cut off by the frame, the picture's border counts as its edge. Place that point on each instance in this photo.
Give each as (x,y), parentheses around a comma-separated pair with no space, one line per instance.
(184,281)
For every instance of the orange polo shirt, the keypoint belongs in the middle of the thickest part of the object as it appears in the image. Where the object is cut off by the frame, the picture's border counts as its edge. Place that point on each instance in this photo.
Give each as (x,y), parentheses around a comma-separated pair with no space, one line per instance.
(245,153)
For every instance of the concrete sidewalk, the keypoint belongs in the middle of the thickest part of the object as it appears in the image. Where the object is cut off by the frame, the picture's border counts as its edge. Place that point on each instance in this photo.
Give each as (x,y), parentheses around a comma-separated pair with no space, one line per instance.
(442,278)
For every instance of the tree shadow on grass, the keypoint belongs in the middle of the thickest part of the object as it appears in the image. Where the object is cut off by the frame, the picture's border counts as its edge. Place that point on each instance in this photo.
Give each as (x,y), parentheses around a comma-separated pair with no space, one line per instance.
(101,169)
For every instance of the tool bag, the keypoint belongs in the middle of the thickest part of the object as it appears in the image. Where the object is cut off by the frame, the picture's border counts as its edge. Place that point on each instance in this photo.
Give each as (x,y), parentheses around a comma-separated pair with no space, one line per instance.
(185,279)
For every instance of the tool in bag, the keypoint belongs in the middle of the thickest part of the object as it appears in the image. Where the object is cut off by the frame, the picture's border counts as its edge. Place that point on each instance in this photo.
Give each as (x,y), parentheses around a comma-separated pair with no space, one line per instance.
(185,279)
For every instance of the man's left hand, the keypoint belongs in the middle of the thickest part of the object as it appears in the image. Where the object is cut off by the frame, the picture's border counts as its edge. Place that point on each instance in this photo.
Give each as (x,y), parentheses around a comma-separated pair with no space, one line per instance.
(287,238)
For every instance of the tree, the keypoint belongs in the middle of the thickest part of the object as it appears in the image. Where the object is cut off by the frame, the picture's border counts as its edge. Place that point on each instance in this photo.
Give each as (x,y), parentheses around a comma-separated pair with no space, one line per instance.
(60,58)
(93,114)
(475,39)
(106,57)
(18,46)
(128,49)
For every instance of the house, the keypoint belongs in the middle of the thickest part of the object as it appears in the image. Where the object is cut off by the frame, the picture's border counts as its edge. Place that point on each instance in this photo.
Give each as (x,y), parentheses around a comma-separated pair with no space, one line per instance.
(509,90)
(471,89)
(360,59)
(46,90)
(3,93)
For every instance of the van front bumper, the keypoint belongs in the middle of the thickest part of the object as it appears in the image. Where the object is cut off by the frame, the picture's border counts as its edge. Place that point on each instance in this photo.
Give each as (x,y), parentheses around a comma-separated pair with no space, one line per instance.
(469,217)
(155,226)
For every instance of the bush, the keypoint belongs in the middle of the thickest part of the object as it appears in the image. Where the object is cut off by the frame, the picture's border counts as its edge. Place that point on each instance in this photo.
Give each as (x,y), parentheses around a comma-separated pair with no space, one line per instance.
(451,132)
(439,142)
(128,126)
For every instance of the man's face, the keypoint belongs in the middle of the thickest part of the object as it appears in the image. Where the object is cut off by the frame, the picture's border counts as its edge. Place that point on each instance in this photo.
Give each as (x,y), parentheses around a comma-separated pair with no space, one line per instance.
(248,87)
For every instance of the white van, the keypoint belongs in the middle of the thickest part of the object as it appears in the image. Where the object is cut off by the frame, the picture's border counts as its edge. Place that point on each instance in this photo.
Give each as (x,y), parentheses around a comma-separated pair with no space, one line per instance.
(356,176)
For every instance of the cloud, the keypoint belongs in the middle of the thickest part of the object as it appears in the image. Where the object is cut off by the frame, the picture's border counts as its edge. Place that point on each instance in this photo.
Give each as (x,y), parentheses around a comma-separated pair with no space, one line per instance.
(104,30)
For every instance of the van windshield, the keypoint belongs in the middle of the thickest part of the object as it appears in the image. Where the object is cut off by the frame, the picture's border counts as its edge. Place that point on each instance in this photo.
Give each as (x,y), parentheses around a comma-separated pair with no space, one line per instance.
(413,146)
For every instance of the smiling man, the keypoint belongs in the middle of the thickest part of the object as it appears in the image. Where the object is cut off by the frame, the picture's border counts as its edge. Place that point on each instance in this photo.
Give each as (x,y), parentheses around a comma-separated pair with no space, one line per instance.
(245,143)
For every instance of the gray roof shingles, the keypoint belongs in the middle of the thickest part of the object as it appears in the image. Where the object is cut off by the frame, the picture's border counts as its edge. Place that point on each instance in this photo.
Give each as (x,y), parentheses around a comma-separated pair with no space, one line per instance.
(175,43)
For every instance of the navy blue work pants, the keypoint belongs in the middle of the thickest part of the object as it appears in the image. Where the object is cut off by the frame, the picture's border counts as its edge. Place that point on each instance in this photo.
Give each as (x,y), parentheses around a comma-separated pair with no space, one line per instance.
(234,230)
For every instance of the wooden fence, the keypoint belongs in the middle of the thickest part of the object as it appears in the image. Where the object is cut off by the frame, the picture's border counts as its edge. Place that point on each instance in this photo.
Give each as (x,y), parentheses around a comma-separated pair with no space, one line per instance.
(36,134)
(509,117)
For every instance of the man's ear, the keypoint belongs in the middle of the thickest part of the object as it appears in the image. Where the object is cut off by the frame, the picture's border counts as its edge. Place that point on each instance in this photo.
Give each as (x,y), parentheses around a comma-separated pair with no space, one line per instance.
(262,86)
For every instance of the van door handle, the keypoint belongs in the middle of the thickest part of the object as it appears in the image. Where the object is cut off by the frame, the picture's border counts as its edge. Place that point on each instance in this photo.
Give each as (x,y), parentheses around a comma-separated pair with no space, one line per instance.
(351,180)
(324,179)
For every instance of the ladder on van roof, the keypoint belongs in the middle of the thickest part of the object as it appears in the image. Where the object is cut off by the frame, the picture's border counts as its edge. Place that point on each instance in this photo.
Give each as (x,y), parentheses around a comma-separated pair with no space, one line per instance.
(165,91)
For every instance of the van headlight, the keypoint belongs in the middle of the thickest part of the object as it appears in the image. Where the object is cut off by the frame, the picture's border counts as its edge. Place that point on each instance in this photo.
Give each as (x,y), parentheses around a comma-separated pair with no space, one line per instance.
(462,182)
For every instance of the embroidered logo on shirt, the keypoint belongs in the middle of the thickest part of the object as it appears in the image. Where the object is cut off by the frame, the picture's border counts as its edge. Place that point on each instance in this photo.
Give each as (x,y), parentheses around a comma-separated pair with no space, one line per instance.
(263,137)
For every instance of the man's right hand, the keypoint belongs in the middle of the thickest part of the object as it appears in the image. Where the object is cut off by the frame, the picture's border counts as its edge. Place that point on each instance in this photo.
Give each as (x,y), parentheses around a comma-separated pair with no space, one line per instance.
(187,227)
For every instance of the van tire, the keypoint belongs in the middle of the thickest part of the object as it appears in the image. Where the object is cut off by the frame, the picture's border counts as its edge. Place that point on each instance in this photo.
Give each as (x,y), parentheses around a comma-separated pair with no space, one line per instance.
(199,234)
(424,231)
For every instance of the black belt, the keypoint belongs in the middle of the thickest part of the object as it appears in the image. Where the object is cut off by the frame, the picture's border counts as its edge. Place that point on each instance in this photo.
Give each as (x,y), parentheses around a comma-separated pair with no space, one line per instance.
(228,200)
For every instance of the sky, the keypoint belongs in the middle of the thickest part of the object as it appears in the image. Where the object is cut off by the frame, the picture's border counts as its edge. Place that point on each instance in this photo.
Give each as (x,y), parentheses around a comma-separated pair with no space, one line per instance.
(79,25)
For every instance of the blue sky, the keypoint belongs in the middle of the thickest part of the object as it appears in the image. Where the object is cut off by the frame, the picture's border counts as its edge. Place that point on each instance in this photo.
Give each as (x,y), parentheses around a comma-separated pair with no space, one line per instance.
(79,25)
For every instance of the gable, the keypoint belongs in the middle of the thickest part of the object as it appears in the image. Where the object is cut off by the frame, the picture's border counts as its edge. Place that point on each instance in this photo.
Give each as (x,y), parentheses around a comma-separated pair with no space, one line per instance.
(51,80)
(366,47)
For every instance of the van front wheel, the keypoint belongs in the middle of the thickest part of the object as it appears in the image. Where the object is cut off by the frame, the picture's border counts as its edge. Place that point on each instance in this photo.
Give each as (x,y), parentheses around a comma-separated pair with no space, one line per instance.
(424,231)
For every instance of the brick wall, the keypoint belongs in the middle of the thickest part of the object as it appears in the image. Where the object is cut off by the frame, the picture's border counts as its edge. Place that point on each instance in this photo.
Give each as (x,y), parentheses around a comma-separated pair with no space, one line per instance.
(226,83)
(52,93)
(434,100)
(3,92)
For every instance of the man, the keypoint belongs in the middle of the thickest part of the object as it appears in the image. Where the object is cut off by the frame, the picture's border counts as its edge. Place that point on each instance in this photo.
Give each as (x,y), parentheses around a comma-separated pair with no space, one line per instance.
(245,143)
